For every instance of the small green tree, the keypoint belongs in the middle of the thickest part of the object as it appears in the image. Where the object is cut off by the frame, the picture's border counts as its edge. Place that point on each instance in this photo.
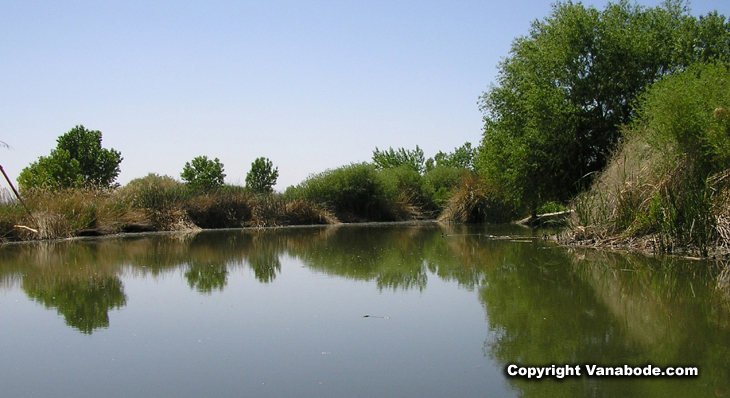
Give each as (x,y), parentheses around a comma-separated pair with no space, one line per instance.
(203,174)
(78,161)
(262,177)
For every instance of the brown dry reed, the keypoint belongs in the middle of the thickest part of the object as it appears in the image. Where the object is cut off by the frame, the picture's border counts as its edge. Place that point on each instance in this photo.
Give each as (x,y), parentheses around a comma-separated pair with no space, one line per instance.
(476,201)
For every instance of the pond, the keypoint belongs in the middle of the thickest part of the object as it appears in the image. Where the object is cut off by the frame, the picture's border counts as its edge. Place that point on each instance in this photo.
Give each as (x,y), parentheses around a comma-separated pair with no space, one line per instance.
(401,310)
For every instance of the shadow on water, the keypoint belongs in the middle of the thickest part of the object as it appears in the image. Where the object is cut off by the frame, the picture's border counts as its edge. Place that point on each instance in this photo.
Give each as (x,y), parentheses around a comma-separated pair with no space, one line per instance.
(544,304)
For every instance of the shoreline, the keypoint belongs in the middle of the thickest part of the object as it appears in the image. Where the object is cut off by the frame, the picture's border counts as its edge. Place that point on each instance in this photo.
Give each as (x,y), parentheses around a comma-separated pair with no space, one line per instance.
(646,245)
(109,235)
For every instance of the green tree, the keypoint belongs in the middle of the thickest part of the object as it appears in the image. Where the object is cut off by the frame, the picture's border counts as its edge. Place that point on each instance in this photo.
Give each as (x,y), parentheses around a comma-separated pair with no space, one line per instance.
(263,175)
(567,87)
(396,158)
(78,161)
(203,174)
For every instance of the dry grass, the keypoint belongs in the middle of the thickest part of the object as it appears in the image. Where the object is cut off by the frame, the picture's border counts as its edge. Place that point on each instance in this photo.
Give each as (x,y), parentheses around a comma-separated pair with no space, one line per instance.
(654,198)
(60,214)
(151,203)
(721,206)
(301,212)
(620,192)
(475,201)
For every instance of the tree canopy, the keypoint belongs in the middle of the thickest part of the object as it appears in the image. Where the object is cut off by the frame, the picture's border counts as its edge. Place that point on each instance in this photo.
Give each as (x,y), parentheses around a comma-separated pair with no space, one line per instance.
(203,174)
(461,158)
(263,175)
(391,158)
(78,161)
(567,87)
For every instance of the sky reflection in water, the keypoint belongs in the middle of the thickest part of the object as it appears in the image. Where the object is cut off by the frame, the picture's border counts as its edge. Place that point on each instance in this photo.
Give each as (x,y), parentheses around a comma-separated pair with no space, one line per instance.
(281,313)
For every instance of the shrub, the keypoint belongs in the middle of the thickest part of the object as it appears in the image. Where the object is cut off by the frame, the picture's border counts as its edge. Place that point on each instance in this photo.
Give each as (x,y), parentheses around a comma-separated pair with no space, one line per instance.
(440,183)
(225,208)
(356,192)
(155,192)
(407,186)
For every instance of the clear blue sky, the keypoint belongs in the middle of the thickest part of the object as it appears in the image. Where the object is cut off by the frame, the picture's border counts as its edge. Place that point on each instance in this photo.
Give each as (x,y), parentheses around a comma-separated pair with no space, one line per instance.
(311,85)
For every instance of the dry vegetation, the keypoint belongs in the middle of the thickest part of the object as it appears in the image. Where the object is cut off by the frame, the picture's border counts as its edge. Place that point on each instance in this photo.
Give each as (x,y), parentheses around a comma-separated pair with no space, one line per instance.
(667,187)
(152,203)
(475,201)
(645,201)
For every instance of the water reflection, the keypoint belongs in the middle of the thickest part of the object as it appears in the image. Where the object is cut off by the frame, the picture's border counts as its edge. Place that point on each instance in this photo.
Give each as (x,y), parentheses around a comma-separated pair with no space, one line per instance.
(206,277)
(544,304)
(84,304)
(604,308)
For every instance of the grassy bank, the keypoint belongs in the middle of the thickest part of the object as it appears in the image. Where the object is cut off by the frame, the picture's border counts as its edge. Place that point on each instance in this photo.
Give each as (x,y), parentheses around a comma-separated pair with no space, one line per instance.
(667,187)
(352,193)
(152,203)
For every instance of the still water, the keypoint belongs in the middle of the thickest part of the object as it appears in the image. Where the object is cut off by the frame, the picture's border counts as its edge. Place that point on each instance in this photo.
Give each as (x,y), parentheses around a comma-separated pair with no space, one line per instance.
(407,310)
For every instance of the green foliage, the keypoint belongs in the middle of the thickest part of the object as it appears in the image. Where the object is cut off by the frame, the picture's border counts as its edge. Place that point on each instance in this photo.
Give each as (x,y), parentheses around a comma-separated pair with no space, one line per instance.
(440,182)
(408,186)
(78,161)
(203,174)
(353,192)
(392,158)
(262,177)
(551,207)
(461,158)
(689,114)
(686,118)
(567,87)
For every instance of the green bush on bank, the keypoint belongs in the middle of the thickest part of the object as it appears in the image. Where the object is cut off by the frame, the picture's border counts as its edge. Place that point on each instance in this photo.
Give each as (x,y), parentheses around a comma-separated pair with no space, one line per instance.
(356,192)
(440,182)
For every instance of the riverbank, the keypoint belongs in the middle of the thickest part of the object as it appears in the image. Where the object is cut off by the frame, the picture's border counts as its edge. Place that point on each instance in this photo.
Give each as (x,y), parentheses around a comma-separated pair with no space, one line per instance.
(647,245)
(153,205)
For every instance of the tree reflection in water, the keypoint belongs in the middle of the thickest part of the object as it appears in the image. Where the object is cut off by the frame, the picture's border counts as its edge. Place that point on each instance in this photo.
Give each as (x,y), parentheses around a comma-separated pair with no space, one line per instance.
(206,277)
(84,304)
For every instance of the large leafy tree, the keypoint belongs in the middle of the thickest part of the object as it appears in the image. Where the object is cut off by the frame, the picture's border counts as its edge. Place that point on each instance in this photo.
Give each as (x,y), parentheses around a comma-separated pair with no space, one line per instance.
(263,175)
(78,161)
(203,174)
(567,87)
